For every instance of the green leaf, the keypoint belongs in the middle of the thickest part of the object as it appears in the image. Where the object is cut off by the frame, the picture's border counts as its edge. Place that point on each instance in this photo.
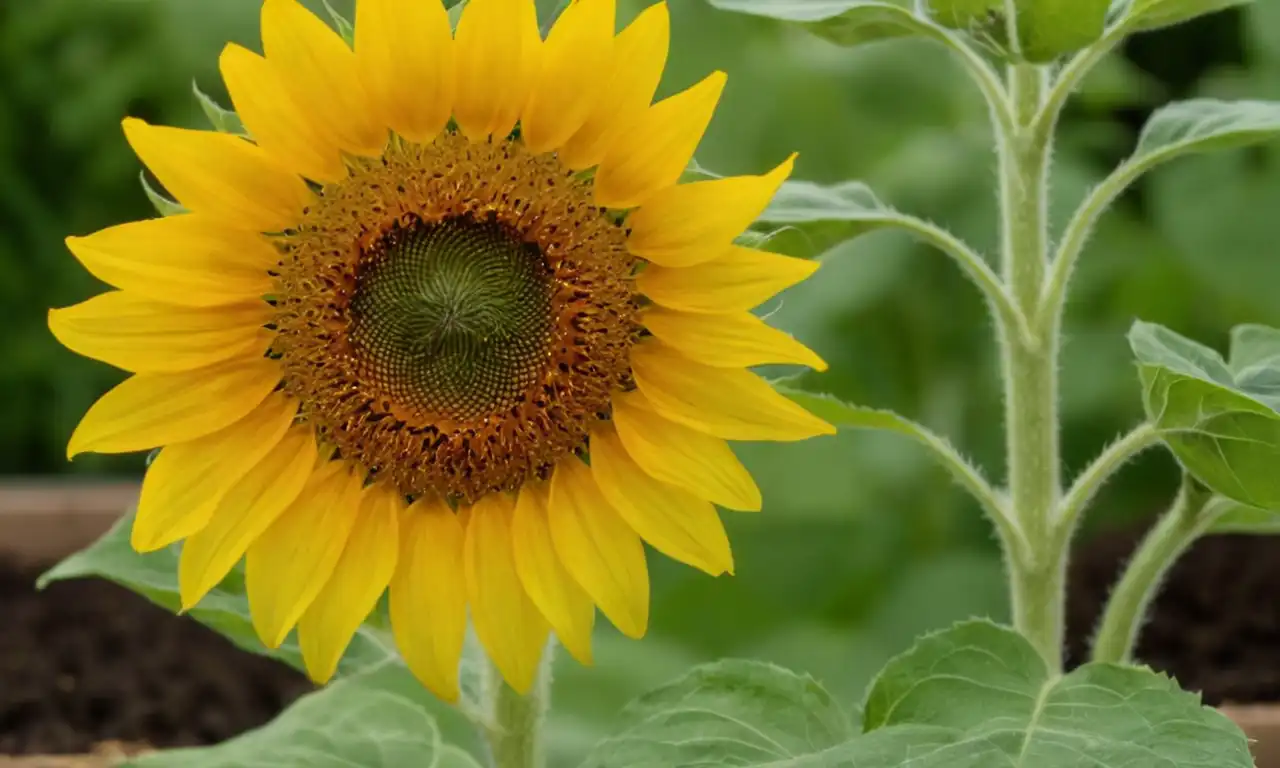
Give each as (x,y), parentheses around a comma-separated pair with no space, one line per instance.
(1048,29)
(341,24)
(1220,419)
(845,22)
(372,720)
(163,205)
(1233,517)
(974,696)
(221,118)
(741,713)
(1144,15)
(225,609)
(1200,125)
(449,756)
(831,214)
(987,685)
(455,12)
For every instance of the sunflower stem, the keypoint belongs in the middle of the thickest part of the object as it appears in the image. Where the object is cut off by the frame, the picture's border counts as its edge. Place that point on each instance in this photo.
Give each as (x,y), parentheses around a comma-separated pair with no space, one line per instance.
(515,731)
(1030,375)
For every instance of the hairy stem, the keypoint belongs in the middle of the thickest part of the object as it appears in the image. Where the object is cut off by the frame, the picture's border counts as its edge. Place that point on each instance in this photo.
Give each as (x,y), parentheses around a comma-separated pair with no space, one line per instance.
(1100,471)
(1180,526)
(1030,374)
(514,733)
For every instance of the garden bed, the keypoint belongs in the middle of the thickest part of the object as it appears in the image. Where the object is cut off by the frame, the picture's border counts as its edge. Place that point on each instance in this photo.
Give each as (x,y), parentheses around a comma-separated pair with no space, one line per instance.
(92,672)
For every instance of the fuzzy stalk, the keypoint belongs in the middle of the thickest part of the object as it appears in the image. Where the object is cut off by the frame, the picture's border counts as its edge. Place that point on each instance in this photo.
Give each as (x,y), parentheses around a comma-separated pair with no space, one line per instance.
(1030,374)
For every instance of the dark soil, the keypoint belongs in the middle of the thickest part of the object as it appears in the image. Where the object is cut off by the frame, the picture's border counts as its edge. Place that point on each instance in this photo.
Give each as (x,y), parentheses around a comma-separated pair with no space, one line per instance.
(1216,624)
(86,662)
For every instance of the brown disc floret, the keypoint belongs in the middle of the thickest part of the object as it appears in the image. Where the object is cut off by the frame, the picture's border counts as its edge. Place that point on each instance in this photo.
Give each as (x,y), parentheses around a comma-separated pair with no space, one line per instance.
(455,316)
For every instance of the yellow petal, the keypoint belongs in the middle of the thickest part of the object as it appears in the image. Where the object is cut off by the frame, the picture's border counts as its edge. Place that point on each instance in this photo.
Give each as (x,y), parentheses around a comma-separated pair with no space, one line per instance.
(507,622)
(602,553)
(318,71)
(288,565)
(691,223)
(683,456)
(575,69)
(727,402)
(275,121)
(639,55)
(246,510)
(404,54)
(152,409)
(185,483)
(567,608)
(496,55)
(428,596)
(139,334)
(220,175)
(730,340)
(359,579)
(657,148)
(738,279)
(187,259)
(674,521)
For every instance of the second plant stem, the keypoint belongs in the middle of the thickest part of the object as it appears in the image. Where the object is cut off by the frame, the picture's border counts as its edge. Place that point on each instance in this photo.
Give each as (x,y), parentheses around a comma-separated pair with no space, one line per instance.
(1030,374)
(1178,529)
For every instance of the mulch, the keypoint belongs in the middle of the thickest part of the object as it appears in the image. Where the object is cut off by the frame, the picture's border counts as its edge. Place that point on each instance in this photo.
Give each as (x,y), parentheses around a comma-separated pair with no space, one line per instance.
(87,662)
(1215,625)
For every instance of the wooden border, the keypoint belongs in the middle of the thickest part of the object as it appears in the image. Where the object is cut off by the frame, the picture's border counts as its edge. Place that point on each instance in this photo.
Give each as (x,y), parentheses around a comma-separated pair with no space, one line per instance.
(41,522)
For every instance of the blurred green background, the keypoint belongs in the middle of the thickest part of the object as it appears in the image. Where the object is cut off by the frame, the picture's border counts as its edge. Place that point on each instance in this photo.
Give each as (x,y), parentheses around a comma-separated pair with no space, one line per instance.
(864,543)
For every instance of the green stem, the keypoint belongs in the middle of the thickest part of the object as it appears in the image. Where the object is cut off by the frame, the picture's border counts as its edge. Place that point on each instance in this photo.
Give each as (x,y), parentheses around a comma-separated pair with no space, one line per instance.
(1180,526)
(1030,374)
(514,732)
(1100,471)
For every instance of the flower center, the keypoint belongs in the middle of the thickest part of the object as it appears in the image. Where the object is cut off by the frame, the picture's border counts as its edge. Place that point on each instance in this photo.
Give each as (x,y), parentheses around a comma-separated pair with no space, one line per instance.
(453,318)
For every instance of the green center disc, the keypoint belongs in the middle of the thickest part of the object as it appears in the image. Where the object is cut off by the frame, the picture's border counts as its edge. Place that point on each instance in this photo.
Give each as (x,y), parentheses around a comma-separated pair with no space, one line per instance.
(453,318)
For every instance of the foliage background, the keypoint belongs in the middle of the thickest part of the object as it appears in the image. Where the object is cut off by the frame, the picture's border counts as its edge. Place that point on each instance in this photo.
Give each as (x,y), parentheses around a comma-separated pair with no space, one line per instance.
(863,544)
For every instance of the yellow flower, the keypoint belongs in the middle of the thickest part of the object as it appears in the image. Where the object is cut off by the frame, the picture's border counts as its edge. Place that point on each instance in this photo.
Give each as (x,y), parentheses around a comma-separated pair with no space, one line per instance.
(393,344)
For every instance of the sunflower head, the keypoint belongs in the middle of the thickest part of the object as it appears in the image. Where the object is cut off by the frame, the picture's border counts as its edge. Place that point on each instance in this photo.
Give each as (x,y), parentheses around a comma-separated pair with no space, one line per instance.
(443,322)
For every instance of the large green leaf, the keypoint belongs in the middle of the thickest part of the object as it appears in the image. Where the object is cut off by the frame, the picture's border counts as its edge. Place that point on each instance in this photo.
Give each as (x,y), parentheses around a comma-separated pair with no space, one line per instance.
(974,696)
(1145,15)
(753,715)
(728,713)
(377,719)
(844,22)
(225,609)
(986,685)
(1220,419)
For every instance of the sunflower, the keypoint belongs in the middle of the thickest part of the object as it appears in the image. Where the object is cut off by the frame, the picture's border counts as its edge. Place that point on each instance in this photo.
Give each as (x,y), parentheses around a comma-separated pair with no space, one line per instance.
(442,324)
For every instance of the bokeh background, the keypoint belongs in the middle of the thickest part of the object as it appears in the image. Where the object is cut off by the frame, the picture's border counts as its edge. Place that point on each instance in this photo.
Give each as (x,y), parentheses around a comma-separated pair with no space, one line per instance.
(864,543)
